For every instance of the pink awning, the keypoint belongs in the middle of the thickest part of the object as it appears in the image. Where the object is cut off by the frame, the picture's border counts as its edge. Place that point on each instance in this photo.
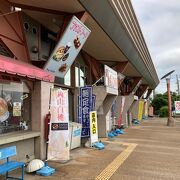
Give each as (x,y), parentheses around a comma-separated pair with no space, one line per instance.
(12,66)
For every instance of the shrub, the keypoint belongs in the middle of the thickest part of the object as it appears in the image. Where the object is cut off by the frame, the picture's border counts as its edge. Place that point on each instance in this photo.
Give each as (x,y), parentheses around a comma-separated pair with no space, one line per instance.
(164,111)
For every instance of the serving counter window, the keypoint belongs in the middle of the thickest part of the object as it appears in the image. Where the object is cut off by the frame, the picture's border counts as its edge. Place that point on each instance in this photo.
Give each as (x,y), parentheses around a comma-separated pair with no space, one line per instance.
(15,106)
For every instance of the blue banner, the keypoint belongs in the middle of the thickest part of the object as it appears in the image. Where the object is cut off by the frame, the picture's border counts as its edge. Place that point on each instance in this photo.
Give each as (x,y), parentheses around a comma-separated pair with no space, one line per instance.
(93,102)
(85,106)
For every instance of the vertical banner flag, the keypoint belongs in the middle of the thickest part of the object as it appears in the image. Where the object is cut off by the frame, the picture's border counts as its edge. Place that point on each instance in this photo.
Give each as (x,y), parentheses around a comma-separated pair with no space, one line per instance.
(68,47)
(85,106)
(121,111)
(58,148)
(146,109)
(93,102)
(93,127)
(140,110)
(177,107)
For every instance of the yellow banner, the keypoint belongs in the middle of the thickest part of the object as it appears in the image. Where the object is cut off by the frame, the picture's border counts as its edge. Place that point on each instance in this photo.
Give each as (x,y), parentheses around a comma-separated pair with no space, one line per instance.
(93,127)
(140,110)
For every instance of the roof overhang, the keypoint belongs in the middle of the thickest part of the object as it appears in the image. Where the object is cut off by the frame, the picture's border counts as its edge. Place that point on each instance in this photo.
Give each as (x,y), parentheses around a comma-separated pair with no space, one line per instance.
(105,43)
(109,22)
(14,67)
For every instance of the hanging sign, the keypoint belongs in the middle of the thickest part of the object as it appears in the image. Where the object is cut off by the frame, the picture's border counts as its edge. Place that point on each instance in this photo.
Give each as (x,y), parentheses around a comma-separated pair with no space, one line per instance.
(58,148)
(16,109)
(177,107)
(85,108)
(68,47)
(140,110)
(93,127)
(110,80)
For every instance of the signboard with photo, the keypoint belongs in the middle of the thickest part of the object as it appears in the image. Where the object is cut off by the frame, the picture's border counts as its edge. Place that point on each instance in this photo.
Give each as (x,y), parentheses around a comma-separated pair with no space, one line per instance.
(68,47)
(110,80)
(177,107)
(58,148)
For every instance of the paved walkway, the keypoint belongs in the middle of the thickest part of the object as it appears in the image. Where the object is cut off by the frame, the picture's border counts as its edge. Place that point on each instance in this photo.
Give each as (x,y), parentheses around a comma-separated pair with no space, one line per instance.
(147,151)
(157,154)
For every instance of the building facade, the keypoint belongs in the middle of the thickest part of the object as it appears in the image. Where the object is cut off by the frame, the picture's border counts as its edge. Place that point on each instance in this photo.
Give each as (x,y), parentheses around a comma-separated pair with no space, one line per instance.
(29,33)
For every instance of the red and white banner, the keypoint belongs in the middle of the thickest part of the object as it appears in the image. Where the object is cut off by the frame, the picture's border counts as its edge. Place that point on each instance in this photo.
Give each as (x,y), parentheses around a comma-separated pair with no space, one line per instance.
(58,148)
(121,111)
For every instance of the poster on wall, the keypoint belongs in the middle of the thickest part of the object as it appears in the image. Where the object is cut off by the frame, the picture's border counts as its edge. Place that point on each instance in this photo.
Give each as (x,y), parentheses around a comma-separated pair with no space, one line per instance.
(58,148)
(68,47)
(110,80)
(140,110)
(85,106)
(4,113)
(16,109)
(177,107)
(93,127)
(121,111)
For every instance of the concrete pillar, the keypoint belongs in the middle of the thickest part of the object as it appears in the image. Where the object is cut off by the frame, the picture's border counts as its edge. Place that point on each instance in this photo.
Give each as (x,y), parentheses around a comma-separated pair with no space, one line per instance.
(40,107)
(136,109)
(127,105)
(104,120)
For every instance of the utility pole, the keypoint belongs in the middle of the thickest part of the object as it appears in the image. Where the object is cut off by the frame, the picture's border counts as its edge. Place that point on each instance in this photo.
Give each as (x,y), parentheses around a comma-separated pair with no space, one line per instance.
(170,120)
(177,84)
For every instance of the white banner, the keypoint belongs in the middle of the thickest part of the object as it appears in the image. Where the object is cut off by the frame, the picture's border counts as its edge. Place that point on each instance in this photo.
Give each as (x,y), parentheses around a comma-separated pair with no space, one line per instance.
(177,107)
(93,127)
(110,80)
(58,148)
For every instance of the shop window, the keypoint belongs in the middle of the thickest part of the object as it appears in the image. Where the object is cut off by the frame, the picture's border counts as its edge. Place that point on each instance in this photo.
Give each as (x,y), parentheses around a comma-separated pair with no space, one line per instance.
(80,74)
(67,78)
(15,107)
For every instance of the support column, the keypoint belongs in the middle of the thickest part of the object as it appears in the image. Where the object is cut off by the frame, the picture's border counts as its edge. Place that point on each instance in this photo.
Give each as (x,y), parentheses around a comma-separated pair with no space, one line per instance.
(40,107)
(141,90)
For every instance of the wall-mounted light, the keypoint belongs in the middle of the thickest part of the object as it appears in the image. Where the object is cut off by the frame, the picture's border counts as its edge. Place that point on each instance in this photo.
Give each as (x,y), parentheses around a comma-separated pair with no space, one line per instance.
(13,10)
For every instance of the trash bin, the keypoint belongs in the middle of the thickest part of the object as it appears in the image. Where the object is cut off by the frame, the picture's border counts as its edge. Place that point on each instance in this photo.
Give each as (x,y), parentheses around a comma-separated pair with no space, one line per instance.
(75,134)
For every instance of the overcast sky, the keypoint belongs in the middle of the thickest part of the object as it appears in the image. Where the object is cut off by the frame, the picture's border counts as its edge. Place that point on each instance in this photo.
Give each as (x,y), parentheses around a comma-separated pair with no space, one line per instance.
(160,23)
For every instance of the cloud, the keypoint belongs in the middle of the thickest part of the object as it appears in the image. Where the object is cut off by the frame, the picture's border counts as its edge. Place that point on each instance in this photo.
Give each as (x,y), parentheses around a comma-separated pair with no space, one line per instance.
(160,25)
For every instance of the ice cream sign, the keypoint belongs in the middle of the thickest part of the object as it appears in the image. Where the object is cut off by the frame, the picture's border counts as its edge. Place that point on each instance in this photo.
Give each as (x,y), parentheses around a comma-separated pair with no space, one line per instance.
(68,47)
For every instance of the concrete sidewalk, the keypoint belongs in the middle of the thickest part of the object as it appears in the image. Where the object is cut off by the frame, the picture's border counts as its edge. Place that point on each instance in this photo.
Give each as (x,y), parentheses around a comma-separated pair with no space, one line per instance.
(157,155)
(150,150)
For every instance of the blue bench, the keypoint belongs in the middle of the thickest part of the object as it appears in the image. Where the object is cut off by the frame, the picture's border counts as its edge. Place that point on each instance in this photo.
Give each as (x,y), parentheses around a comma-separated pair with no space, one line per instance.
(7,166)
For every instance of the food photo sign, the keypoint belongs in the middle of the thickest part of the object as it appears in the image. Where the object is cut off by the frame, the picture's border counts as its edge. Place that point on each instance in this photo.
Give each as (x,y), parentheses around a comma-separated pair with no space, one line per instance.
(68,47)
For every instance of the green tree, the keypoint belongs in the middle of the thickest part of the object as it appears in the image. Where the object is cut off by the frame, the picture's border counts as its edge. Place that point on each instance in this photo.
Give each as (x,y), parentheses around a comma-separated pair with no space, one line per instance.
(159,101)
